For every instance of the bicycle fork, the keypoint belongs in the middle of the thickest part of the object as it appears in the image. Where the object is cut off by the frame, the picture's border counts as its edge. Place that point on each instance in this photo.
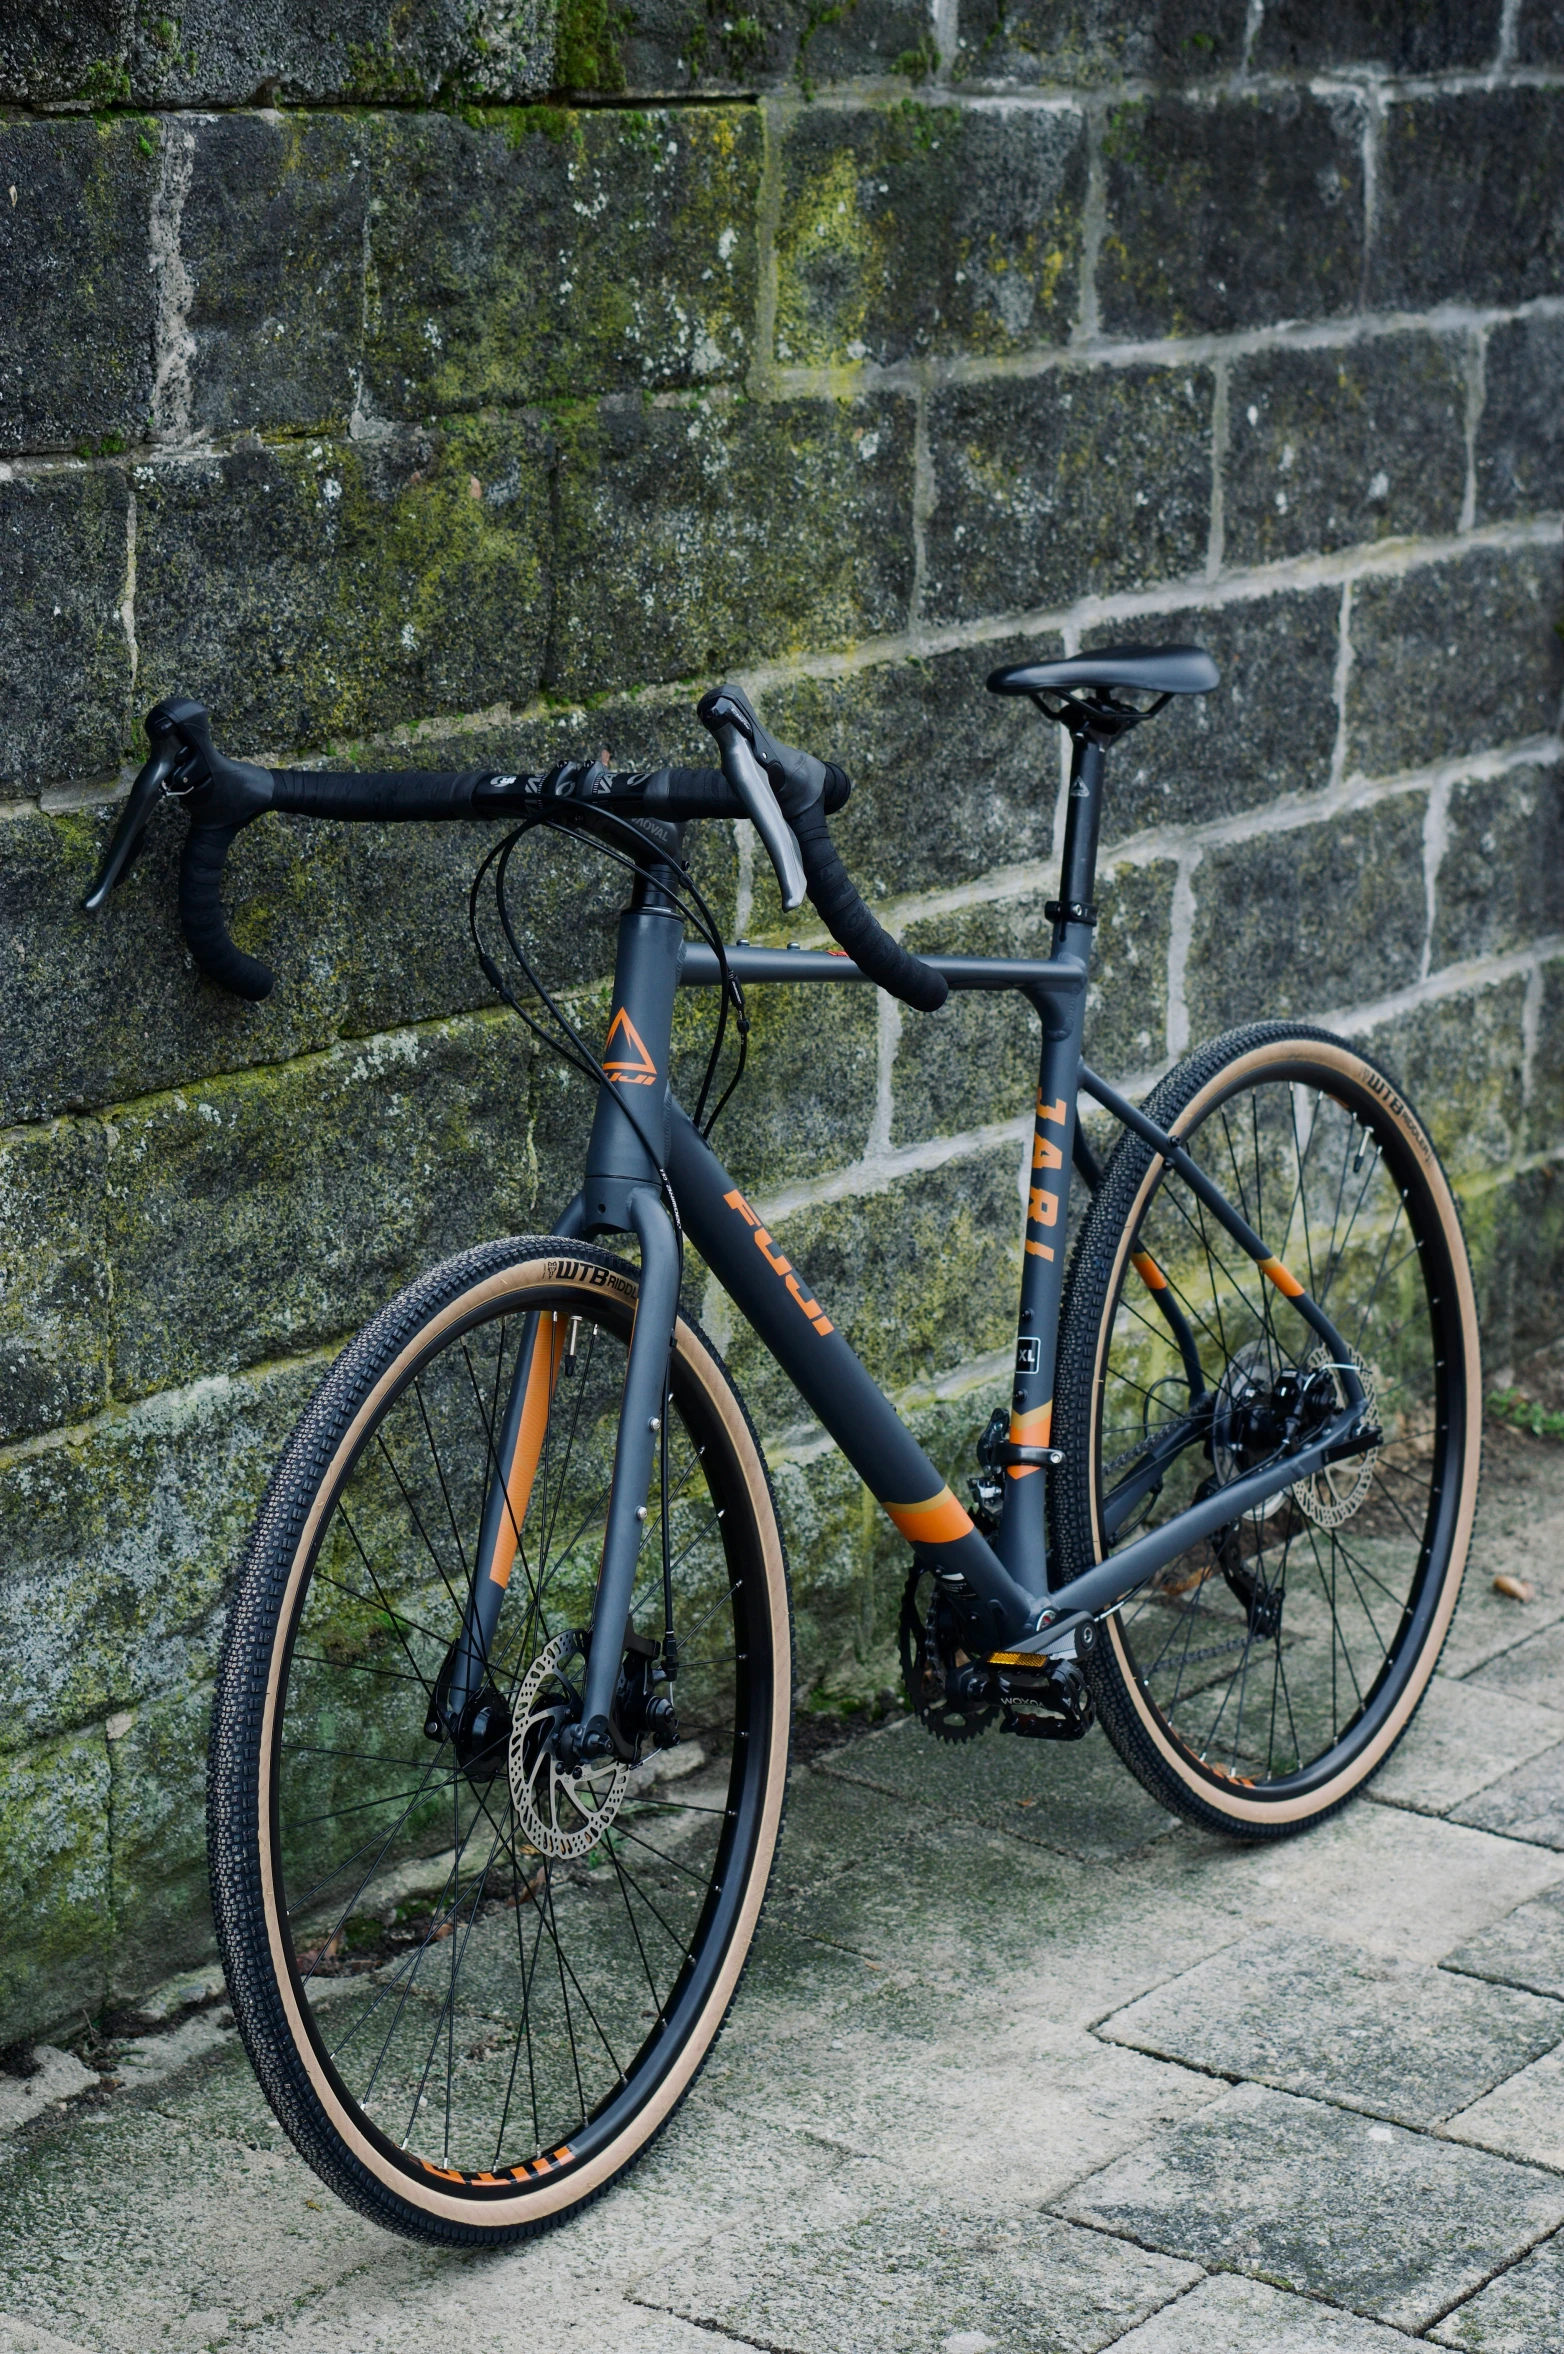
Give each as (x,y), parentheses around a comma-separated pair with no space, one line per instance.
(621,1194)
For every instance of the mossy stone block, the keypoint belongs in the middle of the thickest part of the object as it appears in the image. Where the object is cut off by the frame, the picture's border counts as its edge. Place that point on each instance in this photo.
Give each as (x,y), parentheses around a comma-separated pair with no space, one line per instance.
(209,53)
(323,588)
(65,661)
(1454,658)
(695,536)
(916,227)
(1268,729)
(1460,1061)
(1520,434)
(118,1542)
(1539,32)
(1397,36)
(1330,448)
(533,253)
(1073,41)
(1544,1093)
(693,45)
(1231,212)
(949,781)
(54,1284)
(1469,202)
(920,1276)
(976,1060)
(157,1803)
(54,1883)
(264,1214)
(807,1100)
(1316,919)
(272,241)
(75,210)
(1063,485)
(97,1008)
(1500,883)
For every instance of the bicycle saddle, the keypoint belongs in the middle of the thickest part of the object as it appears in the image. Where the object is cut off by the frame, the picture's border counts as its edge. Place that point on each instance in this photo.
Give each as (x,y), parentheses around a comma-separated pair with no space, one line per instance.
(1136,670)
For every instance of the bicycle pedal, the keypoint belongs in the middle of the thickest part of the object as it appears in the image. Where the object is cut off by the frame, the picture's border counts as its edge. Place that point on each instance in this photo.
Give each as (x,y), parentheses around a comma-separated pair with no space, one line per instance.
(1041,1700)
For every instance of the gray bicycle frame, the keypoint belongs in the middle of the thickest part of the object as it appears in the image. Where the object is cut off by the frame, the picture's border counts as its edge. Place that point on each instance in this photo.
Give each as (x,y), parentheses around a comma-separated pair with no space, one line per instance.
(1006,1580)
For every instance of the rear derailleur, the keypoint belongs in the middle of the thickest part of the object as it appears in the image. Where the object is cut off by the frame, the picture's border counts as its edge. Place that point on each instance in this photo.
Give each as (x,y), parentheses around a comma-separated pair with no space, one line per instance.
(957,1687)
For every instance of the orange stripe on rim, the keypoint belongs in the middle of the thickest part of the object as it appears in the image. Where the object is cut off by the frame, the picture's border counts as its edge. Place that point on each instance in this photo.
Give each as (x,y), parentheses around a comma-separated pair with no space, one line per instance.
(1149,1272)
(1031,1429)
(1287,1285)
(940,1520)
(542,1374)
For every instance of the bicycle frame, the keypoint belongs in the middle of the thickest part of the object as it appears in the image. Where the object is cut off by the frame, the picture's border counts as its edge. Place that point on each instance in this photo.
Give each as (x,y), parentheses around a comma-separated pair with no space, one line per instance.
(1006,1580)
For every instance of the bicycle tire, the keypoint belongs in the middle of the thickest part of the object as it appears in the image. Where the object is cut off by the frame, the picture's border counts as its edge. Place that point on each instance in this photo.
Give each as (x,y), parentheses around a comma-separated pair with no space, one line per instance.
(296,1642)
(1282,1594)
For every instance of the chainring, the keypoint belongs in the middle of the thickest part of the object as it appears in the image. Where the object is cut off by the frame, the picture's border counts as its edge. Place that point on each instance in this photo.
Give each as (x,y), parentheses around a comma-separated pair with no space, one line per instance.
(929,1644)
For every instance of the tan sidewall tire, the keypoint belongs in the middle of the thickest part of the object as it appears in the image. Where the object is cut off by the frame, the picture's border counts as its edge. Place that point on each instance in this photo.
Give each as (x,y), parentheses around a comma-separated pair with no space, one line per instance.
(545,2195)
(1209,1795)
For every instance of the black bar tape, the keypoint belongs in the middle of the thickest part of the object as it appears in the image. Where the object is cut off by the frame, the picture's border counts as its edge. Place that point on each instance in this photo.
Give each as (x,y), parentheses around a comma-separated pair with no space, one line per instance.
(383,794)
(201,915)
(834,896)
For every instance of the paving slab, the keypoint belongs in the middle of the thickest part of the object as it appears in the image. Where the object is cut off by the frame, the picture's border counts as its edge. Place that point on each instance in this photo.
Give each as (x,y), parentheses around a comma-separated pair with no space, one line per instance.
(1528,1804)
(1529,1667)
(1075,1797)
(1516,2314)
(919,2276)
(1404,1884)
(56,2076)
(20,2337)
(1520,1531)
(1227,2314)
(1525,1948)
(1019,2106)
(1394,2039)
(1523,2117)
(1461,1740)
(1387,2223)
(492,2305)
(144,2232)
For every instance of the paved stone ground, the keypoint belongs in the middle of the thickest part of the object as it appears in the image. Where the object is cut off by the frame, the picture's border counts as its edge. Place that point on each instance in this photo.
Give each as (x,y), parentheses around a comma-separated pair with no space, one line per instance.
(1020,2067)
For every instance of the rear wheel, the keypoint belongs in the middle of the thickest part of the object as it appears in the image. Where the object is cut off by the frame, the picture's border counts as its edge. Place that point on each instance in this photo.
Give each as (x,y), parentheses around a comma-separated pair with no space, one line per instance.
(1262,1676)
(474,1988)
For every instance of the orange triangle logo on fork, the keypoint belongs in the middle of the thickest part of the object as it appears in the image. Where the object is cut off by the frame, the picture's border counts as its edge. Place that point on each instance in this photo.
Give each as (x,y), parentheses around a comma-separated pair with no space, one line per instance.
(639,1073)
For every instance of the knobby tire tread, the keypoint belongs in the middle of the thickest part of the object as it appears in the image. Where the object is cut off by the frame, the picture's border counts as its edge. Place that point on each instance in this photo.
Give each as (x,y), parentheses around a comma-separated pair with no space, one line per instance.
(1072,1530)
(237,1722)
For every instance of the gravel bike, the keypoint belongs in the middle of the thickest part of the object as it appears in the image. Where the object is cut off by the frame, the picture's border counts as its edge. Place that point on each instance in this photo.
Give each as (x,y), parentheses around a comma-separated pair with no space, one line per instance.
(501,1731)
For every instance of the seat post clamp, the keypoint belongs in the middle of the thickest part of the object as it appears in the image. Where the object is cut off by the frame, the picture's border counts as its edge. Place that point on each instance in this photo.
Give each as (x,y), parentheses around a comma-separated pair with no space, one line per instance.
(1071,911)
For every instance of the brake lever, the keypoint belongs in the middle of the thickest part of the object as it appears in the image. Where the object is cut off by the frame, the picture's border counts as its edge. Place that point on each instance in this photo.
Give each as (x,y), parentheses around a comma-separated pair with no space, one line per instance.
(125,843)
(740,765)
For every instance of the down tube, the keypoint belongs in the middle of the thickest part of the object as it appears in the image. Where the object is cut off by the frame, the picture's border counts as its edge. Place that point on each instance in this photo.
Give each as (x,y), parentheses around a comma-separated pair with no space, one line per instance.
(796,1327)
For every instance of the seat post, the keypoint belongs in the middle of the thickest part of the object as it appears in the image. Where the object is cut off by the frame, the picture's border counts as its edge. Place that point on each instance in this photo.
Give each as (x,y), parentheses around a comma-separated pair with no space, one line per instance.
(1074,913)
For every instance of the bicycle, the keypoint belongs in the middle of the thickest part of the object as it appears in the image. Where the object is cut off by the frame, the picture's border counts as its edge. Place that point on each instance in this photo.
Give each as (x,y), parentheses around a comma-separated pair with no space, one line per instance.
(501,1733)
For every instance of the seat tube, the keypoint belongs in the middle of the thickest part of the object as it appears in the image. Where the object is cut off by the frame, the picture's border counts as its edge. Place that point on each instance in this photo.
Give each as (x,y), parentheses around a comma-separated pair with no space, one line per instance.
(1022,1538)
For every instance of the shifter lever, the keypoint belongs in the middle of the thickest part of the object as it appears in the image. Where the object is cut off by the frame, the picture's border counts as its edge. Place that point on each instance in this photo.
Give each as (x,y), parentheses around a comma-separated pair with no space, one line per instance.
(727,722)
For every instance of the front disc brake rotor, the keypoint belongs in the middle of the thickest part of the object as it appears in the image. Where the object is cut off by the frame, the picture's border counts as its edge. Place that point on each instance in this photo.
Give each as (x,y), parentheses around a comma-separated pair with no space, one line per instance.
(560,1814)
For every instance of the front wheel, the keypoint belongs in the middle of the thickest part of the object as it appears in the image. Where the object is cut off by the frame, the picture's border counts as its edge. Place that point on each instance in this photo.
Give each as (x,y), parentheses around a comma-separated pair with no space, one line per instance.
(472,1986)
(1261,1677)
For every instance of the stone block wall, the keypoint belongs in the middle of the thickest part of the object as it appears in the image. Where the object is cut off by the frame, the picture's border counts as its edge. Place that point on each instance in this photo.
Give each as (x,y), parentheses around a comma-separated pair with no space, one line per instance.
(472,384)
